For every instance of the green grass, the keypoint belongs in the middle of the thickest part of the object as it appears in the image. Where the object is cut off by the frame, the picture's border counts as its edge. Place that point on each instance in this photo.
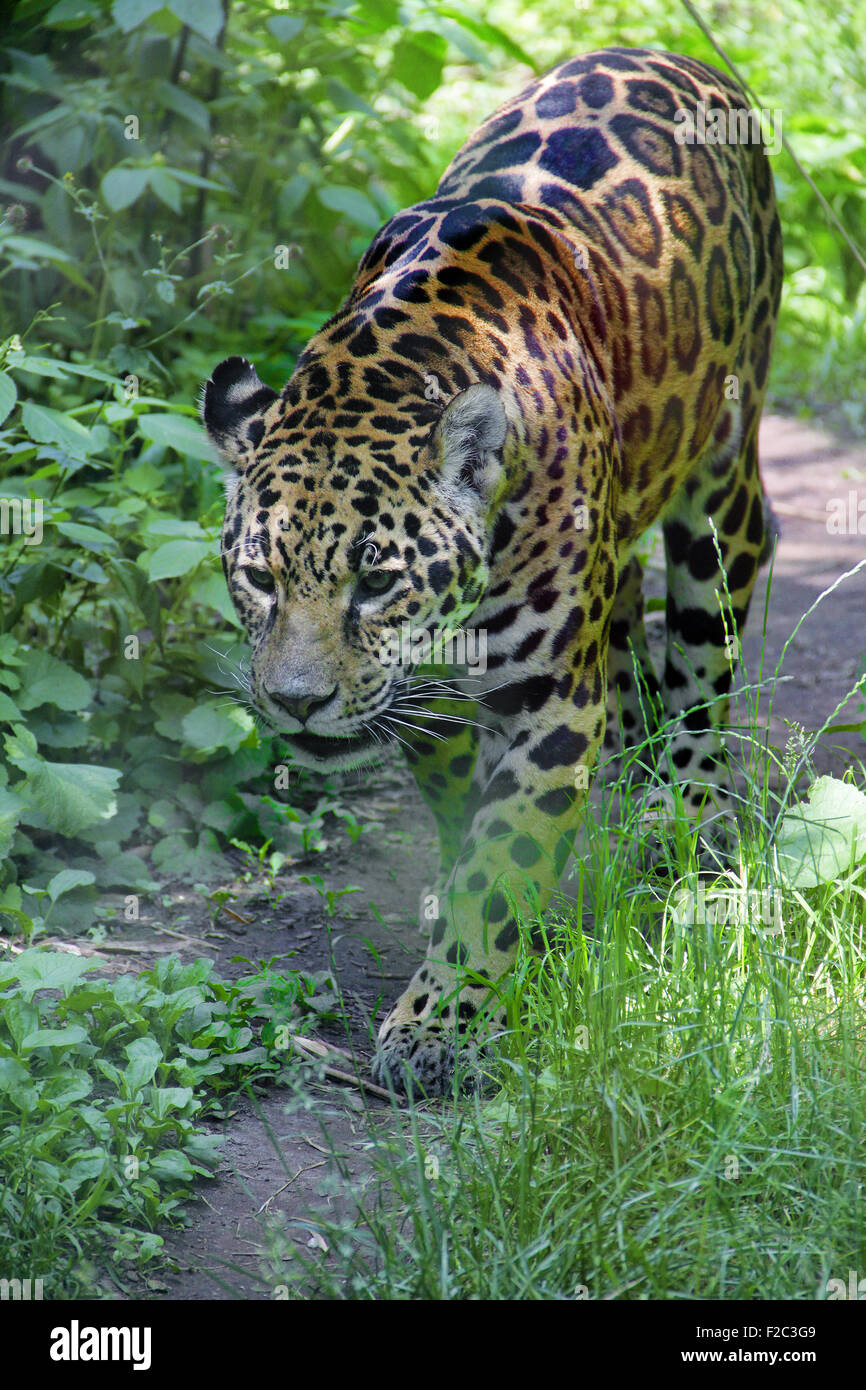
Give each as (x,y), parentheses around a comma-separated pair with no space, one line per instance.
(681,1116)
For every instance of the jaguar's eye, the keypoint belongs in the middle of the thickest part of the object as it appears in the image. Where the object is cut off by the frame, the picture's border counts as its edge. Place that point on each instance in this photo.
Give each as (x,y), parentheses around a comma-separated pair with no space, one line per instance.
(261,579)
(378,581)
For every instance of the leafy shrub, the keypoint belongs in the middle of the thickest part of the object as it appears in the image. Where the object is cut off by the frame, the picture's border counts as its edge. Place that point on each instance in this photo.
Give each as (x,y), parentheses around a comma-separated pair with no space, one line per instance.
(103,1087)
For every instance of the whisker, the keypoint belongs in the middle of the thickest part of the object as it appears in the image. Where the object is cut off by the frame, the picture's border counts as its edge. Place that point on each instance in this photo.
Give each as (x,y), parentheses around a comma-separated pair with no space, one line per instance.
(443,718)
(428,733)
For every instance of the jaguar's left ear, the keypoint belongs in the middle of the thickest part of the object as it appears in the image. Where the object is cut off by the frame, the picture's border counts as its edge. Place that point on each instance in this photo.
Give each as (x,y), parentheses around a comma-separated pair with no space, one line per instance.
(471,434)
(233,399)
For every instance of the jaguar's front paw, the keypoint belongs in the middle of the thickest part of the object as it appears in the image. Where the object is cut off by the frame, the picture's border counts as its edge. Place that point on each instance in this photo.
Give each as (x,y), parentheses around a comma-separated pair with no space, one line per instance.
(427,1059)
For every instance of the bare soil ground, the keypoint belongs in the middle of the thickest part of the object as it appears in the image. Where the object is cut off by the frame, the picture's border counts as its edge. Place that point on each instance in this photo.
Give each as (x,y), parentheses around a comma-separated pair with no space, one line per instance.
(279,1178)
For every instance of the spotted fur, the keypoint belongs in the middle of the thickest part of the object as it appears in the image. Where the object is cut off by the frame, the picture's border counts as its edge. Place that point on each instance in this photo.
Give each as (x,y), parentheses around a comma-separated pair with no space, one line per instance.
(569,340)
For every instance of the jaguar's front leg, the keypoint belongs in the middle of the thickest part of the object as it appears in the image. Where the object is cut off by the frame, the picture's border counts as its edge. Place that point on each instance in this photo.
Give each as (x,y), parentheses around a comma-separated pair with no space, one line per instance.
(517,845)
(441,746)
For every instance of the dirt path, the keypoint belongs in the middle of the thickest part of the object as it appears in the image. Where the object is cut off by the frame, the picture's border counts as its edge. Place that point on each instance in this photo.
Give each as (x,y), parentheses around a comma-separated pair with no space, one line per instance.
(219,1255)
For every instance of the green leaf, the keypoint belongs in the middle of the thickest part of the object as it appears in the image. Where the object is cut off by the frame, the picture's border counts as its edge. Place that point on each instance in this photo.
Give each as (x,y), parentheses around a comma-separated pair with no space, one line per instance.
(490,34)
(87,536)
(8,395)
(166,189)
(417,61)
(211,590)
(127,871)
(33,247)
(172,1163)
(54,1037)
(41,969)
(45,680)
(68,796)
(203,16)
(176,558)
(185,104)
(213,726)
(355,205)
(72,14)
(167,1098)
(47,426)
(144,1055)
(11,807)
(9,711)
(819,840)
(173,526)
(178,432)
(121,186)
(12,1074)
(285,26)
(175,857)
(67,880)
(128,14)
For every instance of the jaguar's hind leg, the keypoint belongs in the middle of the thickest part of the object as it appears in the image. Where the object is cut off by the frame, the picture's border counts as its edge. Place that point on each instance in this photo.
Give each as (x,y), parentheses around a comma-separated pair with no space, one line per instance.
(632,685)
(706,614)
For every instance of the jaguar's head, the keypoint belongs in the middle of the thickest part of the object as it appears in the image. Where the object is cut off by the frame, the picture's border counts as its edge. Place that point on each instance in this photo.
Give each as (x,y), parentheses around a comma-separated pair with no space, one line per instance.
(348,536)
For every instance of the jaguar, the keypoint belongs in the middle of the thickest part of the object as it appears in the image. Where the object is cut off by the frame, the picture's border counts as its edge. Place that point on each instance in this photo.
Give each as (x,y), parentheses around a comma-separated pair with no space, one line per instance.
(566,343)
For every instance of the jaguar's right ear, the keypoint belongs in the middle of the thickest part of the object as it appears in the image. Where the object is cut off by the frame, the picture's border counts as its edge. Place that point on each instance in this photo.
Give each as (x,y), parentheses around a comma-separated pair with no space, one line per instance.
(233,402)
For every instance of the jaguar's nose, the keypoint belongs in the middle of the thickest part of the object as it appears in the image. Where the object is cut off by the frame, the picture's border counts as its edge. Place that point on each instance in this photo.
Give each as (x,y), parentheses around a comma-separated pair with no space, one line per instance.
(301,706)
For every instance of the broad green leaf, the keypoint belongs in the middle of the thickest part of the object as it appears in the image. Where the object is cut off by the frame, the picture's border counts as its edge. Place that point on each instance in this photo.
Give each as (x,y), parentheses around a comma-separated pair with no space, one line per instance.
(185,104)
(418,60)
(351,201)
(72,14)
(67,880)
(285,26)
(166,189)
(48,426)
(488,33)
(173,526)
(9,712)
(172,1163)
(820,839)
(12,1074)
(48,681)
(144,1055)
(203,861)
(128,14)
(127,871)
(11,807)
(122,186)
(167,1098)
(196,180)
(8,395)
(178,432)
(32,246)
(211,589)
(213,726)
(41,969)
(54,1037)
(203,16)
(176,558)
(68,796)
(87,536)
(49,366)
